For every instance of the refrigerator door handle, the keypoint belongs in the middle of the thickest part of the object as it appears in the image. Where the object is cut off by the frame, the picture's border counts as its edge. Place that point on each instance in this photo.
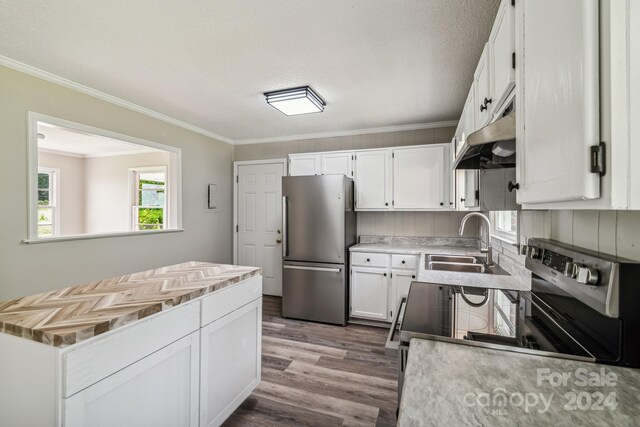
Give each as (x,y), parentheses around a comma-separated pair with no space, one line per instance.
(298,267)
(285,234)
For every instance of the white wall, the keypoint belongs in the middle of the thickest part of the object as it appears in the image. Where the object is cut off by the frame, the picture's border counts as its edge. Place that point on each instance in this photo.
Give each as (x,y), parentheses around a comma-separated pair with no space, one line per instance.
(107,189)
(70,190)
(29,268)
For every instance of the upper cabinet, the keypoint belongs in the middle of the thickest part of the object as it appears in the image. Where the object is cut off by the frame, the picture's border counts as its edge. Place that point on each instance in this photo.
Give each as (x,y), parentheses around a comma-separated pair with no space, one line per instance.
(373,180)
(420,177)
(304,164)
(331,163)
(337,163)
(558,119)
(481,85)
(502,51)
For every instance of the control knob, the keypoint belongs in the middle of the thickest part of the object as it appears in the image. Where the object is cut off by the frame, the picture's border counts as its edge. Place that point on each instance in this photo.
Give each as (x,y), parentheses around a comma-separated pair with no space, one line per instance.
(534,252)
(588,276)
(571,269)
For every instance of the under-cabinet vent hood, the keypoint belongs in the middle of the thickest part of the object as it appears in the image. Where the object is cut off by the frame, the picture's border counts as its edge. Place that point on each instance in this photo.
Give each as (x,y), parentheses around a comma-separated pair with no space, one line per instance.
(493,146)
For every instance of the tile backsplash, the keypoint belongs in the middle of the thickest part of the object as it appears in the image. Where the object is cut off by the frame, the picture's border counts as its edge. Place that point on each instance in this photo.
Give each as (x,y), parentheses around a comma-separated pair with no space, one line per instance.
(423,224)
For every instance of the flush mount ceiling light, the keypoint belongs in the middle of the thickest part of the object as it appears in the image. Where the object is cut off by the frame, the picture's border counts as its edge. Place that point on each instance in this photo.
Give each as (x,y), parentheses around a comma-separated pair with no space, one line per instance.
(299,100)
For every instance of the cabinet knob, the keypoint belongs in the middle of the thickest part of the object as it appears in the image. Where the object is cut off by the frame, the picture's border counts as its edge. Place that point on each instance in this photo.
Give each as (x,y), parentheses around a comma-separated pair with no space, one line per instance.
(462,199)
(482,107)
(513,186)
(403,261)
(441,203)
(413,276)
(368,260)
(487,101)
(385,274)
(386,204)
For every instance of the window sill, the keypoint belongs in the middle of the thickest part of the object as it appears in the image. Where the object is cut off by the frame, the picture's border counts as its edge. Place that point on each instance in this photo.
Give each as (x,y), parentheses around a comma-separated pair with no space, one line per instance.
(98,236)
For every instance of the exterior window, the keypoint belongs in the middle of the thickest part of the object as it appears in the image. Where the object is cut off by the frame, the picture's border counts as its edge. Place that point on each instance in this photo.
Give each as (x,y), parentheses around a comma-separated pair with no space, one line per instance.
(47,210)
(149,210)
(505,225)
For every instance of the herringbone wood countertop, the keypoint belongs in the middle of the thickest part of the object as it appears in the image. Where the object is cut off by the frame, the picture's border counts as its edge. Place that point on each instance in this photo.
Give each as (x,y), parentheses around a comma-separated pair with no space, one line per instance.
(67,316)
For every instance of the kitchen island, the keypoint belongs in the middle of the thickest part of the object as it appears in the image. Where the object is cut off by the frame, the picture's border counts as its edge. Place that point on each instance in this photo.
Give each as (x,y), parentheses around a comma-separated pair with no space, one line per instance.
(456,384)
(177,345)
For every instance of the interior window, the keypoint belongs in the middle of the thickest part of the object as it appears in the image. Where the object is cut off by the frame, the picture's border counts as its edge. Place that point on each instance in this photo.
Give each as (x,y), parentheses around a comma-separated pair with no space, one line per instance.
(88,181)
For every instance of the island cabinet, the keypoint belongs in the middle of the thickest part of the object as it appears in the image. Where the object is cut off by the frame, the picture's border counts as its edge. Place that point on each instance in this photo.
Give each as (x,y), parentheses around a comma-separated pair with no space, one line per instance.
(190,364)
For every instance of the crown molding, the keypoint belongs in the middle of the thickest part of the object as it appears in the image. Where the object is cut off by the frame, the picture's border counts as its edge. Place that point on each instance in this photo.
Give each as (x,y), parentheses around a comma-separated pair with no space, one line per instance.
(53,78)
(448,123)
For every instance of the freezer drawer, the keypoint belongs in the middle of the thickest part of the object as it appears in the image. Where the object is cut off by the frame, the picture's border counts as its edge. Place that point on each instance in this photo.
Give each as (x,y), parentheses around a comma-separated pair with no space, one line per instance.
(314,291)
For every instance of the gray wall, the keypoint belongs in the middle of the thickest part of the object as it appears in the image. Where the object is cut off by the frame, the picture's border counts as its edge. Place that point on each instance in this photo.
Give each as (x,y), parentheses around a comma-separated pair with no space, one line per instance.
(428,224)
(29,268)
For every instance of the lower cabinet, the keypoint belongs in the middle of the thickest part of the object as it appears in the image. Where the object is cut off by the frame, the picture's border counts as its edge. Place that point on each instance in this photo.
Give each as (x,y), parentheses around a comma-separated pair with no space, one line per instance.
(376,291)
(230,364)
(158,390)
(369,293)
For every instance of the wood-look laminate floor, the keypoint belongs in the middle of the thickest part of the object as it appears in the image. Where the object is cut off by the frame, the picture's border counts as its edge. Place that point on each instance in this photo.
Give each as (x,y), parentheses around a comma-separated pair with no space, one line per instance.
(320,375)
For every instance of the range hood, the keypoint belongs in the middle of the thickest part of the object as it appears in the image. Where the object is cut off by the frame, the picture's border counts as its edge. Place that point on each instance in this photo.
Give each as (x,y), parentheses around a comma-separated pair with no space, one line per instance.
(492,146)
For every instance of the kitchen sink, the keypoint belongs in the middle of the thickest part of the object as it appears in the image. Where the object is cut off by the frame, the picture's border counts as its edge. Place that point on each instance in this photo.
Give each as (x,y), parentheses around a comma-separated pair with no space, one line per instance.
(462,267)
(453,258)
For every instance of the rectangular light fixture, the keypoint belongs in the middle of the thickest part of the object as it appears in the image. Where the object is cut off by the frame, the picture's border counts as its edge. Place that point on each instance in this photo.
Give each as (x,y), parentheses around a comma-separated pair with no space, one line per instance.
(299,100)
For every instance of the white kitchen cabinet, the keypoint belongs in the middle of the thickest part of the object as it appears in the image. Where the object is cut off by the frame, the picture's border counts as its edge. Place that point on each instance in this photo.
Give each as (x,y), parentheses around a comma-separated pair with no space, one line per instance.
(373,179)
(304,164)
(400,282)
(420,177)
(501,55)
(467,189)
(370,293)
(481,88)
(340,162)
(557,80)
(160,389)
(230,362)
(468,114)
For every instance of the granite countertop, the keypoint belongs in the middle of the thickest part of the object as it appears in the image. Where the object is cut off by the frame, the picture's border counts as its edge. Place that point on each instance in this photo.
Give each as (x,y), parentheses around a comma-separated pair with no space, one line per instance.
(70,315)
(456,384)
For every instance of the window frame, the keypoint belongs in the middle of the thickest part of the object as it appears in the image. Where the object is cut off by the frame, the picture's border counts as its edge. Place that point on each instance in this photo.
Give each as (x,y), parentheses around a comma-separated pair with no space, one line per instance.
(509,237)
(134,194)
(174,174)
(54,199)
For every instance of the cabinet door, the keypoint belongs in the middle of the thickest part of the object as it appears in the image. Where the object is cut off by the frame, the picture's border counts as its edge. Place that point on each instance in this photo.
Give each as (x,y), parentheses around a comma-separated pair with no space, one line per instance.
(558,100)
(471,189)
(304,164)
(469,113)
(634,104)
(400,282)
(420,176)
(337,163)
(481,87)
(369,293)
(230,361)
(158,390)
(502,46)
(372,179)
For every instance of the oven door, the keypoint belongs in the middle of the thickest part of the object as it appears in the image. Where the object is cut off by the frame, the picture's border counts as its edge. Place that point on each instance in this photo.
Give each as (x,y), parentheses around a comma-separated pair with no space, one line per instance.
(393,339)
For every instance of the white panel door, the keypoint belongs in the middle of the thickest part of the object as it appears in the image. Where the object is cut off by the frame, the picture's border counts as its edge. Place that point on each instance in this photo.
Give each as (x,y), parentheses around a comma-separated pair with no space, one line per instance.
(420,177)
(481,89)
(369,293)
(259,221)
(304,164)
(231,362)
(502,45)
(558,100)
(158,390)
(337,163)
(372,181)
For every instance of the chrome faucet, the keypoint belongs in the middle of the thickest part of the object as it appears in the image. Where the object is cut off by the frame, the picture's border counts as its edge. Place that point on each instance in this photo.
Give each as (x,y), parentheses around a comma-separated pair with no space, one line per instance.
(487,227)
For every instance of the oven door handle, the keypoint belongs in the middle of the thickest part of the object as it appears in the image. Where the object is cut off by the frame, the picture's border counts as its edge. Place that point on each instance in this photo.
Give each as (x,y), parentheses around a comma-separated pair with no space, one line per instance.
(391,346)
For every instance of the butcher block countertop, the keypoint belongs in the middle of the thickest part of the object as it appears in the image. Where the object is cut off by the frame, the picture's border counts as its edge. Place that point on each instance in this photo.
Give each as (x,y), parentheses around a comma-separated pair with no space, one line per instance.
(70,315)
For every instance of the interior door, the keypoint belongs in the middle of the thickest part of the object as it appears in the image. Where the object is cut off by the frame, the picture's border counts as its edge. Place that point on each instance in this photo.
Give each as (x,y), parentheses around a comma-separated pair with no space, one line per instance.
(259,222)
(558,100)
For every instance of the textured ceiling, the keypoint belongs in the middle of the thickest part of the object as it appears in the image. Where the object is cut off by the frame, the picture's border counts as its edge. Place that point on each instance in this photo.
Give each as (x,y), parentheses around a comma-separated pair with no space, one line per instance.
(376,63)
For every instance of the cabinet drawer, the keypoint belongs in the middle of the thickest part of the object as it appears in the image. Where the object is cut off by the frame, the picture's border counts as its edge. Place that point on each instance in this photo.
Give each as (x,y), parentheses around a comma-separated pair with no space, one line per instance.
(224,301)
(404,261)
(369,259)
(114,351)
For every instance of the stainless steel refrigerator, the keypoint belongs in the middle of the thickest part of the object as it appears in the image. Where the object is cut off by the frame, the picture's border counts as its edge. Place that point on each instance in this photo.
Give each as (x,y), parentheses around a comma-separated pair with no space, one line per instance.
(319,225)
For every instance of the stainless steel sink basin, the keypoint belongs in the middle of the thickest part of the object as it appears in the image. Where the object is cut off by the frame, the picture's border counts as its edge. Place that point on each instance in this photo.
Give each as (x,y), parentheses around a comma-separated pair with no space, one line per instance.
(453,258)
(462,267)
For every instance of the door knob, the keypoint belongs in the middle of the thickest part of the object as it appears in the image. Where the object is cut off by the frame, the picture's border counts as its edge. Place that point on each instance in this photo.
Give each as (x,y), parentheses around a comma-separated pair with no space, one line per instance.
(278,240)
